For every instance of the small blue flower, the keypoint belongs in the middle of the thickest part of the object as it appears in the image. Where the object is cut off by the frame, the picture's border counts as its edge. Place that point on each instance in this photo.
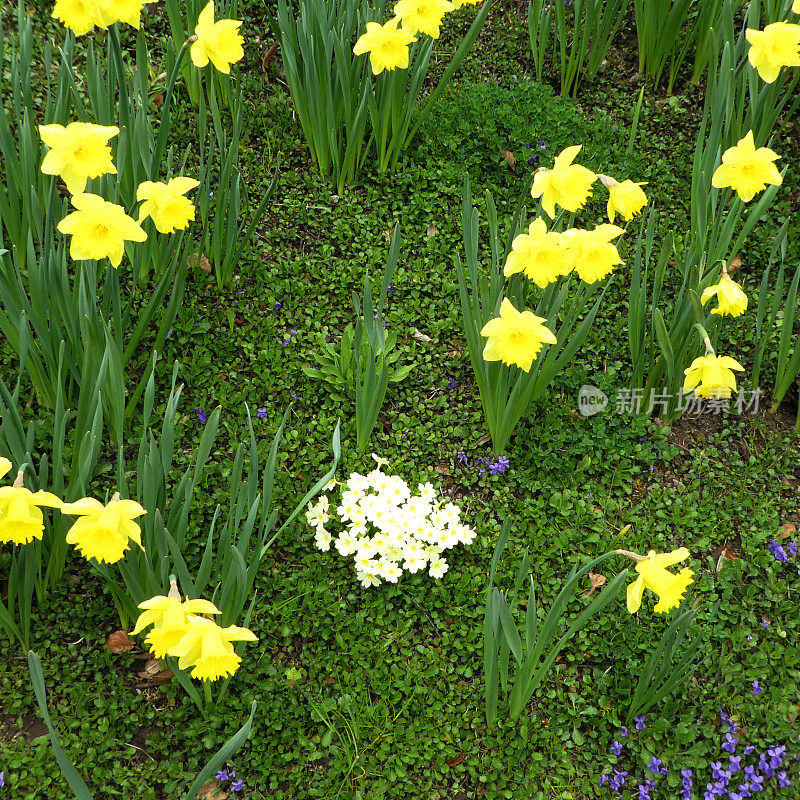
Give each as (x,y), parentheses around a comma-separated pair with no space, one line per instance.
(640,726)
(261,413)
(616,748)
(237,786)
(451,383)
(623,732)
(222,775)
(201,415)
(278,306)
(757,688)
(3,779)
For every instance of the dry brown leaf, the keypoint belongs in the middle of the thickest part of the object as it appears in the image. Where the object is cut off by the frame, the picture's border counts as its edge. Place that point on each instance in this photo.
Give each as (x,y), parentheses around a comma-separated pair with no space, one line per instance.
(787,530)
(508,157)
(442,468)
(165,676)
(420,336)
(269,55)
(119,642)
(735,264)
(723,554)
(597,581)
(431,231)
(212,791)
(152,666)
(199,260)
(455,760)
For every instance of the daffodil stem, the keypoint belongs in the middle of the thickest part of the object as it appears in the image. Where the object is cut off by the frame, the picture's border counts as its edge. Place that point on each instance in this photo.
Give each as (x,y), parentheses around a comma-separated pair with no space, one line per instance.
(706,340)
(163,128)
(207,693)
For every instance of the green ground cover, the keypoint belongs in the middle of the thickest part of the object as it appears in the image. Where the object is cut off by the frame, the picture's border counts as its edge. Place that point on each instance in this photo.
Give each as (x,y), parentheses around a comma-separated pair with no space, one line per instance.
(378,693)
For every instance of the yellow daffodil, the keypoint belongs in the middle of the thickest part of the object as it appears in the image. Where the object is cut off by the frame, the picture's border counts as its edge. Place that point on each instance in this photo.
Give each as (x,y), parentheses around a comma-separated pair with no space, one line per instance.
(169,618)
(423,16)
(654,575)
(128,11)
(386,44)
(746,169)
(515,337)
(461,3)
(80,16)
(99,229)
(165,203)
(711,376)
(104,532)
(796,6)
(626,199)
(732,300)
(540,254)
(778,45)
(78,152)
(567,184)
(21,518)
(592,253)
(207,648)
(218,42)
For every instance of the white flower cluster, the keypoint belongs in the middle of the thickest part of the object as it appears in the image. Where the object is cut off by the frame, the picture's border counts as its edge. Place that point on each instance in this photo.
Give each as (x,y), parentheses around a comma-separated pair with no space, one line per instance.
(389,529)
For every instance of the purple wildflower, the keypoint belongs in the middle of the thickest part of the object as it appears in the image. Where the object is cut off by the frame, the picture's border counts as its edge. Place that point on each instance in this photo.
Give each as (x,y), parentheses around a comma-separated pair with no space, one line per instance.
(603,779)
(201,415)
(542,144)
(532,160)
(791,548)
(777,551)
(616,748)
(278,306)
(757,688)
(617,779)
(237,786)
(640,726)
(294,395)
(622,732)
(783,780)
(451,383)
(500,466)
(261,413)
(730,743)
(2,779)
(391,288)
(222,775)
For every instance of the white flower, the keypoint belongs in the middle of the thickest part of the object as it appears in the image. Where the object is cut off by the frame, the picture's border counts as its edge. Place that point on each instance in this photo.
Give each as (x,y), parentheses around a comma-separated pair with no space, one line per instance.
(415,563)
(465,535)
(368,579)
(358,483)
(381,462)
(322,539)
(451,513)
(346,544)
(426,491)
(364,563)
(330,485)
(391,572)
(437,568)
